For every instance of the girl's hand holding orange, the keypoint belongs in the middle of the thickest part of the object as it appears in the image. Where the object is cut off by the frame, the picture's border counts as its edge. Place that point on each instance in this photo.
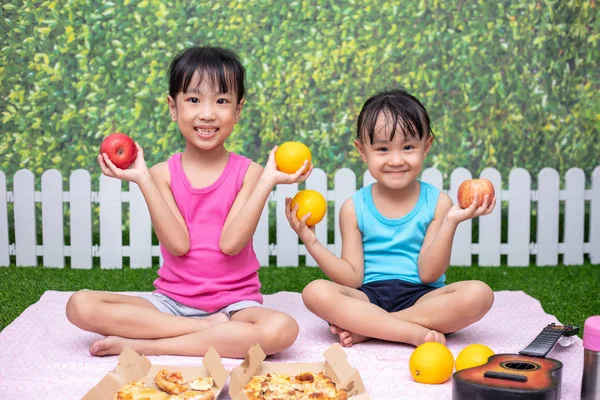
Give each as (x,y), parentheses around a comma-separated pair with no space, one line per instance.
(305,233)
(282,177)
(290,156)
(309,202)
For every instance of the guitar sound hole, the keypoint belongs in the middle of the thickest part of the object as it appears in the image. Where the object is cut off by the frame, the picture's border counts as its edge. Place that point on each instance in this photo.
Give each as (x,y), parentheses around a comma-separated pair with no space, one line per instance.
(520,365)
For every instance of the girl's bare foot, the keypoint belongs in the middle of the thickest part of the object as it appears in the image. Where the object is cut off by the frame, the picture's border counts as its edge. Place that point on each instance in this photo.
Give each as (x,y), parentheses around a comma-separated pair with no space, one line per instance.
(434,336)
(111,345)
(347,339)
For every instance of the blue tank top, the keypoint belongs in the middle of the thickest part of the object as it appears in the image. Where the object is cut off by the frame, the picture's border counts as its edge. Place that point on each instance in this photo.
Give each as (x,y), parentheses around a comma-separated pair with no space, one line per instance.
(391,246)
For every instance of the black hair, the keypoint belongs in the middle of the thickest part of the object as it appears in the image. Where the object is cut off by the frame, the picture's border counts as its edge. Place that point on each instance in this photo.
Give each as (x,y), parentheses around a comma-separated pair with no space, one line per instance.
(403,111)
(221,67)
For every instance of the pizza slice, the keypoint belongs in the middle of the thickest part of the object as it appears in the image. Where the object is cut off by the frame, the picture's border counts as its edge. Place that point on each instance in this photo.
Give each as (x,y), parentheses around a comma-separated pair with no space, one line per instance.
(170,382)
(270,387)
(202,383)
(304,386)
(318,386)
(255,386)
(193,395)
(138,391)
(198,389)
(328,387)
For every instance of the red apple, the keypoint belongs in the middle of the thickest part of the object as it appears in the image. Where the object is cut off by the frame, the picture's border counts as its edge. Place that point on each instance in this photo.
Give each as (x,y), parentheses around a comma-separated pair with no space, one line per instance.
(467,190)
(120,149)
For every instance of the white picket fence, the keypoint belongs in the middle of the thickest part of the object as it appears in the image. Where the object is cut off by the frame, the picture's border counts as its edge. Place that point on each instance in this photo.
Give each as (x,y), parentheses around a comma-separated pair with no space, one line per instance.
(140,250)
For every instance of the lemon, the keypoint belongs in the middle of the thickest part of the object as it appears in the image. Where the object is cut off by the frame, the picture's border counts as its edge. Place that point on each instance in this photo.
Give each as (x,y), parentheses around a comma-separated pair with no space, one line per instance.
(473,355)
(290,156)
(310,201)
(431,362)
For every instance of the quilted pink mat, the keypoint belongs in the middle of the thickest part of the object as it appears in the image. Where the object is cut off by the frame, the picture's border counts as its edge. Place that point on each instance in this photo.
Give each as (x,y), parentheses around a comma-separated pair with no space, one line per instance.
(41,352)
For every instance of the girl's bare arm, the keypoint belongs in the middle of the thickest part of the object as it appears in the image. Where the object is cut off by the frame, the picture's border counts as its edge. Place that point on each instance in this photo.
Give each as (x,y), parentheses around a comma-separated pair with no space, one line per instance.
(168,222)
(245,212)
(169,225)
(434,257)
(347,270)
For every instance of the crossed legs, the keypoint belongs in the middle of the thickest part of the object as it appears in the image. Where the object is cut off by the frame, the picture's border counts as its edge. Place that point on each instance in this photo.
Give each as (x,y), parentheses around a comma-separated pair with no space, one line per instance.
(135,322)
(354,319)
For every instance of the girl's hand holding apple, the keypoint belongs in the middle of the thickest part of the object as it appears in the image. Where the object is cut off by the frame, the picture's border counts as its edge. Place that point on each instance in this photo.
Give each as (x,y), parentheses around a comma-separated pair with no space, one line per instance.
(136,171)
(469,188)
(120,149)
(457,214)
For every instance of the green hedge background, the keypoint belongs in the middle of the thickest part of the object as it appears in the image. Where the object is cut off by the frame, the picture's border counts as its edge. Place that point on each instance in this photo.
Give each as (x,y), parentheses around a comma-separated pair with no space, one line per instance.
(507,83)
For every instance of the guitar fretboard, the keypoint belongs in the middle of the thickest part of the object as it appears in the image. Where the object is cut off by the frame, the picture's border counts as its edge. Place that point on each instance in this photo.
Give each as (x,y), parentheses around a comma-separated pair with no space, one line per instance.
(543,343)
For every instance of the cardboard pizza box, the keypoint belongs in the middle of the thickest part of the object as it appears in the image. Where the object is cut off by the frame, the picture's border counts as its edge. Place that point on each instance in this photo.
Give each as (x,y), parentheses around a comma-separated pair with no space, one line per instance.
(132,367)
(336,366)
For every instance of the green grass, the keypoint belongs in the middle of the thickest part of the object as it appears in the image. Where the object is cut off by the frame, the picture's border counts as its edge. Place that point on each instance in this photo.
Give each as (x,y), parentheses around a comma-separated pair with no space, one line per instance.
(568,292)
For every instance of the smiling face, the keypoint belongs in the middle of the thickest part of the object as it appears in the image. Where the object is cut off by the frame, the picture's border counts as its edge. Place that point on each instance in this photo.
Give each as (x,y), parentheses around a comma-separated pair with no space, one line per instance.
(395,162)
(205,115)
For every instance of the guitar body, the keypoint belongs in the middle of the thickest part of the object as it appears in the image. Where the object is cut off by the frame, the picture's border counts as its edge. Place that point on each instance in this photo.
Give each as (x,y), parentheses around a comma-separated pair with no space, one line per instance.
(510,376)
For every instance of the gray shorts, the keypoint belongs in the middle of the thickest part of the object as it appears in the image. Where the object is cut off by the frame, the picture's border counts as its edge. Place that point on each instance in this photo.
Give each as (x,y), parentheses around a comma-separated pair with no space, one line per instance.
(168,305)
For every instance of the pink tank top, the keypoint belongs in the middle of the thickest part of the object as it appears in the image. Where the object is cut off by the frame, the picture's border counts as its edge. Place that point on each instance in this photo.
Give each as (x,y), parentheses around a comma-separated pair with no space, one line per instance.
(205,278)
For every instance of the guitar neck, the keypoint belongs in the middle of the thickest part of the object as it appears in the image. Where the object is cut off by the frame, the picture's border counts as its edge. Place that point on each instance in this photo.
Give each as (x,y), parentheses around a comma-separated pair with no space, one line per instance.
(543,343)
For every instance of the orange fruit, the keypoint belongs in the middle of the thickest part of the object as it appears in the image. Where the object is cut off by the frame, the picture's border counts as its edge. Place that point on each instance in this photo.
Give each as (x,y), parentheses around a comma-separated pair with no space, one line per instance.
(473,355)
(290,156)
(310,201)
(431,362)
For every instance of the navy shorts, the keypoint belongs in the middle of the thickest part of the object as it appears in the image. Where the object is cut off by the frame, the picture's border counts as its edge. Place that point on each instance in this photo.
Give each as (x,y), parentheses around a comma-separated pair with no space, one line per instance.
(394,294)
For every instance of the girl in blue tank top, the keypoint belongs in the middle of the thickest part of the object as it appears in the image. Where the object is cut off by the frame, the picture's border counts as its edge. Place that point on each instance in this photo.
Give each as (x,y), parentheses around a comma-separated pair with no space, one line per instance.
(396,240)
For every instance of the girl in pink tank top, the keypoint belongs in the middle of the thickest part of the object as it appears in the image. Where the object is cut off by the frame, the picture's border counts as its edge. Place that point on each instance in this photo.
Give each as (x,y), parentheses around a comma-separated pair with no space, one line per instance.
(205,204)
(205,277)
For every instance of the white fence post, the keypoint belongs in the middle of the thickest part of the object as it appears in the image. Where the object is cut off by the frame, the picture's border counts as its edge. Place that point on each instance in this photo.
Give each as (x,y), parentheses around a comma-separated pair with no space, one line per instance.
(461,247)
(111,235)
(547,226)
(80,188)
(140,229)
(595,218)
(4,255)
(519,217)
(25,232)
(434,177)
(287,240)
(574,216)
(344,187)
(490,226)
(318,182)
(53,236)
(260,240)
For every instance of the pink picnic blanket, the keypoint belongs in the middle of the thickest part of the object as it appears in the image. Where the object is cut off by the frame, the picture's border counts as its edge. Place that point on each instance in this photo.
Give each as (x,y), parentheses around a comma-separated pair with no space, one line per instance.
(42,354)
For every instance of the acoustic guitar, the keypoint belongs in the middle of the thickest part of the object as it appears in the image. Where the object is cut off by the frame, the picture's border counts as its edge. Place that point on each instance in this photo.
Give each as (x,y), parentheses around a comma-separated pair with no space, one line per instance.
(527,375)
